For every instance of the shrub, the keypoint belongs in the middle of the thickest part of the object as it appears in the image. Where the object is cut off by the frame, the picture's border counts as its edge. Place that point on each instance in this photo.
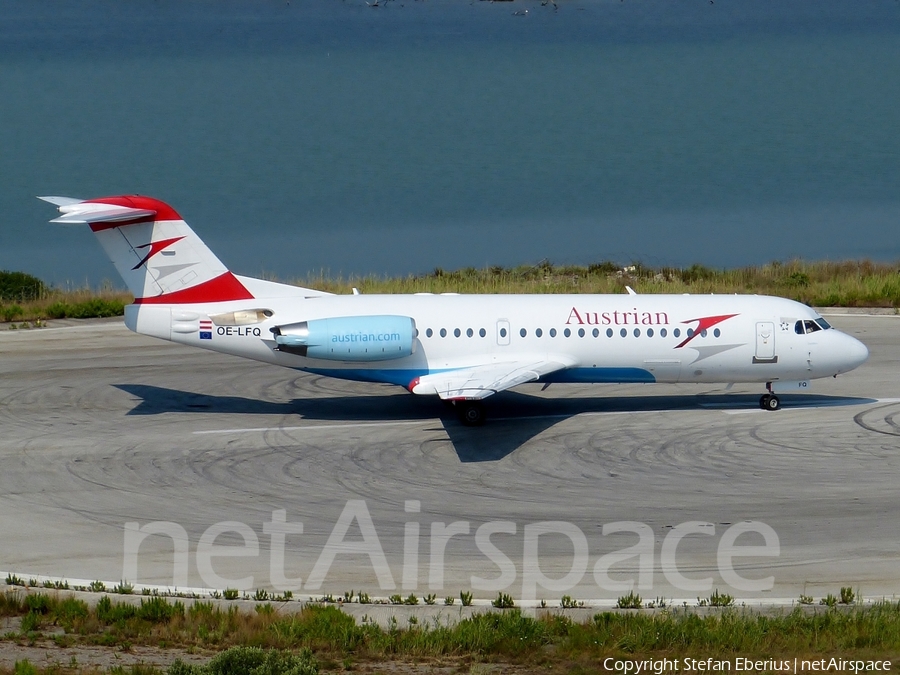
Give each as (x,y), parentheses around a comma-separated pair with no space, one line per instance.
(24,668)
(230,594)
(465,597)
(123,588)
(158,610)
(20,287)
(720,599)
(848,597)
(108,613)
(38,603)
(252,661)
(631,601)
(31,622)
(11,313)
(503,601)
(70,610)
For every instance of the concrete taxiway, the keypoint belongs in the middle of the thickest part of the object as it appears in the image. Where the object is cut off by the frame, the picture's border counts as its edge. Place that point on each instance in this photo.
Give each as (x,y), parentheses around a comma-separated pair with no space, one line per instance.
(100,427)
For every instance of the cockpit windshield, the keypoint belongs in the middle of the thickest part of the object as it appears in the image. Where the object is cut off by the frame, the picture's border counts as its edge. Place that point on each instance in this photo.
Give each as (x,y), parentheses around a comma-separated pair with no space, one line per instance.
(806,326)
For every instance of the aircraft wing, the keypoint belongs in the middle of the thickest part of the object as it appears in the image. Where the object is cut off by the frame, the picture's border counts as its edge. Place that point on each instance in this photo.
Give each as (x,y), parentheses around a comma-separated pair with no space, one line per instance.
(480,382)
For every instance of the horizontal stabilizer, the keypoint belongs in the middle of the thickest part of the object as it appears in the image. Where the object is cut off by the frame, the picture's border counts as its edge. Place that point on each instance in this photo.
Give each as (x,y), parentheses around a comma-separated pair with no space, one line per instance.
(61,201)
(80,213)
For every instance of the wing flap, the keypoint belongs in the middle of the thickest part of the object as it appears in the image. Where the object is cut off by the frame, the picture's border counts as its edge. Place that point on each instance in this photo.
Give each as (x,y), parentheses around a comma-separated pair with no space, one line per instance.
(479,382)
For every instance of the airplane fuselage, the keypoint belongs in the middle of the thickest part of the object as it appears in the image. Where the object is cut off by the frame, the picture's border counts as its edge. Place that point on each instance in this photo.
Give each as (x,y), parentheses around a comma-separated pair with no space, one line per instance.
(604,338)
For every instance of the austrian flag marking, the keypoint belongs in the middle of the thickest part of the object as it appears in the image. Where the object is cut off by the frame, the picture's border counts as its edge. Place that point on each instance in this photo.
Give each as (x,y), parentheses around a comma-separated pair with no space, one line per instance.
(206,329)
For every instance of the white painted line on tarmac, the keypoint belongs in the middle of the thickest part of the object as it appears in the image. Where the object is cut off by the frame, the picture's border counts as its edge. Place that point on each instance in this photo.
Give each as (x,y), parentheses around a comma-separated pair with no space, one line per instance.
(312,427)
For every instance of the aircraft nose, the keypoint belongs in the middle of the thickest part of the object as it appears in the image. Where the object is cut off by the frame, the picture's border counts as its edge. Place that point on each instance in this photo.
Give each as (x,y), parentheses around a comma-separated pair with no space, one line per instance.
(856,352)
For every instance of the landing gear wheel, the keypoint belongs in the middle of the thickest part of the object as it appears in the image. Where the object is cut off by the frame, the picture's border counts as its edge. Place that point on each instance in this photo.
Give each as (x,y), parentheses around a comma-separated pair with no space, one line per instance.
(770,402)
(471,413)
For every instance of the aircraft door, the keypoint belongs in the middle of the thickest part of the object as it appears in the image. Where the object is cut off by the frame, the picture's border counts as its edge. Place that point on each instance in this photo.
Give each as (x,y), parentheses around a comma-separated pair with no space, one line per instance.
(502,332)
(765,343)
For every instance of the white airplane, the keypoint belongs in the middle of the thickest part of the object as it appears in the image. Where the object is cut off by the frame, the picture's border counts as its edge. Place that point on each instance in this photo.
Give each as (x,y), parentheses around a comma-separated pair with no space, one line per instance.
(461,348)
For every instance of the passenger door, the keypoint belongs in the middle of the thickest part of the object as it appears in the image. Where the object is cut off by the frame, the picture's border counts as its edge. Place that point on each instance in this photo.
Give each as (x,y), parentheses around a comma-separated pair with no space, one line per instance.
(765,343)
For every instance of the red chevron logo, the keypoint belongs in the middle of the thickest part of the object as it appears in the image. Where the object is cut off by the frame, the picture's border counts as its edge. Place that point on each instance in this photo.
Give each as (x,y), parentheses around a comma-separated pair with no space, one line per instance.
(703,323)
(156,247)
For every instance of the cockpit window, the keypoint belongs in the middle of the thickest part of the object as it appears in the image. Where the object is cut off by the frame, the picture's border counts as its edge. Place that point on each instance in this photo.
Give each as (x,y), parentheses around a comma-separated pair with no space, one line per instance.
(810,326)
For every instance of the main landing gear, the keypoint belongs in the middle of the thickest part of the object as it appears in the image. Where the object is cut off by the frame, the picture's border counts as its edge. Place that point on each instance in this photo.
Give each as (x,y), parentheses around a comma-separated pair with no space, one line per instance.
(471,413)
(769,401)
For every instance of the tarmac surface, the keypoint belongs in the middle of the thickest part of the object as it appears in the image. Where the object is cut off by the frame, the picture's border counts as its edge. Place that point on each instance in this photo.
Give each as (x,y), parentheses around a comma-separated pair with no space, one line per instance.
(100,427)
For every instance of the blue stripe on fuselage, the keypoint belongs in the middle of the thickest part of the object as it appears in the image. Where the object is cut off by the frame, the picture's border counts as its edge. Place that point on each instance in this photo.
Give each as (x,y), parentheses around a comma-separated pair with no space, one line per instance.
(403,376)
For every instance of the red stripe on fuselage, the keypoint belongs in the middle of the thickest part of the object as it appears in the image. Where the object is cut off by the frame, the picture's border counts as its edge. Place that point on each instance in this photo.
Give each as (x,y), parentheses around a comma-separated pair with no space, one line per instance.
(222,288)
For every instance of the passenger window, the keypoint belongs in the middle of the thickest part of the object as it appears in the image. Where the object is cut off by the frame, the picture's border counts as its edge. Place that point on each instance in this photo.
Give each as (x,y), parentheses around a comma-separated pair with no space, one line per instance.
(609,332)
(596,332)
(503,332)
(623,332)
(456,332)
(523,332)
(429,333)
(567,332)
(662,332)
(649,332)
(703,333)
(717,332)
(581,332)
(637,332)
(470,332)
(443,332)
(482,332)
(552,332)
(677,332)
(538,332)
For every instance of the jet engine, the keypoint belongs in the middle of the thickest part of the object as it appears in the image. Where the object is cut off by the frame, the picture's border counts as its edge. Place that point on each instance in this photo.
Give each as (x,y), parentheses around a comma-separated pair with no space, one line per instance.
(349,338)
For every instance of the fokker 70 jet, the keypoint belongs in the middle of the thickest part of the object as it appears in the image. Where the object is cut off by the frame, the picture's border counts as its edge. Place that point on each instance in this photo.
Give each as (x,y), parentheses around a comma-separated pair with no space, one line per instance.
(461,348)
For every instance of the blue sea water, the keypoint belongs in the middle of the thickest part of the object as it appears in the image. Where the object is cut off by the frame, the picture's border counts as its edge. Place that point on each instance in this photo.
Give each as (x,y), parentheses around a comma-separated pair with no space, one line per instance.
(330,135)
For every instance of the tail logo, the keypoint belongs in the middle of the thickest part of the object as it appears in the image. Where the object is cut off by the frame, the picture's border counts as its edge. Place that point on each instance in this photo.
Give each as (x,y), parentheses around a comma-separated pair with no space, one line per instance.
(156,247)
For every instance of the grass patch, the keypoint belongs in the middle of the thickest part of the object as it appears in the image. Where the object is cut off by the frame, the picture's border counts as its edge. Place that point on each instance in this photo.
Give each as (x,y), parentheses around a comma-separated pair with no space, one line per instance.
(509,636)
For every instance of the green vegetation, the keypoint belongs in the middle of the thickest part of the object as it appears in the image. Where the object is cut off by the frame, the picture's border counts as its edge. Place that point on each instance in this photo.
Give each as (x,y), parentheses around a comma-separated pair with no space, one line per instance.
(294,643)
(20,287)
(821,284)
(630,601)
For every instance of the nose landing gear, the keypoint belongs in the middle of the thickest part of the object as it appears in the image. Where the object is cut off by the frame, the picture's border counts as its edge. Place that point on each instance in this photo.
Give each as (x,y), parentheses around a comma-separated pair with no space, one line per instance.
(769,401)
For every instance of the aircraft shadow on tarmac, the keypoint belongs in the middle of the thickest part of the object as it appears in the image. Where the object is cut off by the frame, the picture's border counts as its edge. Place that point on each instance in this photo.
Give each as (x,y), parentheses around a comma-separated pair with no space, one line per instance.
(514,417)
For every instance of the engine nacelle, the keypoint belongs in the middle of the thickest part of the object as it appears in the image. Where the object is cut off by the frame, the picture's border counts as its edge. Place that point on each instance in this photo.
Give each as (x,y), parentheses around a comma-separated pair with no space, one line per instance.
(349,338)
